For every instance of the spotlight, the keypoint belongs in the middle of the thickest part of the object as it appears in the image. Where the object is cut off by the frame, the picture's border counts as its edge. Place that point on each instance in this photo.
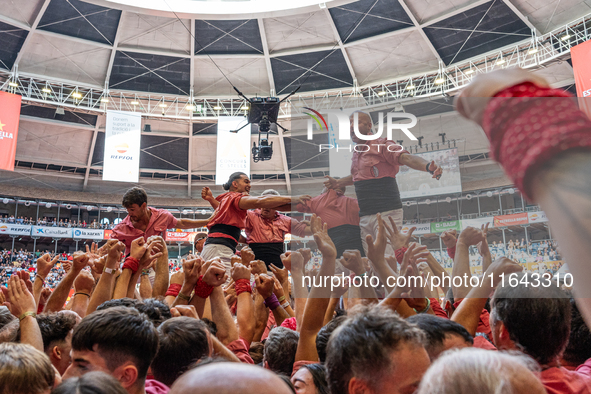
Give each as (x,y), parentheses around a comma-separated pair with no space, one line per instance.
(533,51)
(135,103)
(217,108)
(565,37)
(59,111)
(104,100)
(439,81)
(500,61)
(46,90)
(162,105)
(190,107)
(77,95)
(382,93)
(410,87)
(13,84)
(470,71)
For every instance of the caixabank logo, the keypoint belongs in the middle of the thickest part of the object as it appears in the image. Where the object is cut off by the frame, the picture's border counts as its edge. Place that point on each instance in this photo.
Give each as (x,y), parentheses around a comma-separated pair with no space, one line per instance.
(348,125)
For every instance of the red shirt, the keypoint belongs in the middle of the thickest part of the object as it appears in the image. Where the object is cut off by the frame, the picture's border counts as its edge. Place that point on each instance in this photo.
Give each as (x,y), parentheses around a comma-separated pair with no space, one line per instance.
(585,368)
(229,212)
(558,380)
(240,348)
(261,230)
(160,221)
(380,161)
(334,209)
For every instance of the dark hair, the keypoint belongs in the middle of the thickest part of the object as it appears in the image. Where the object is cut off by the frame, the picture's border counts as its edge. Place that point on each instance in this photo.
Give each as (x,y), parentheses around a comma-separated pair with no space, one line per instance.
(280,350)
(182,341)
(436,329)
(235,176)
(324,335)
(121,334)
(156,310)
(318,372)
(537,318)
(257,352)
(55,327)
(361,347)
(135,195)
(213,328)
(5,316)
(578,349)
(95,382)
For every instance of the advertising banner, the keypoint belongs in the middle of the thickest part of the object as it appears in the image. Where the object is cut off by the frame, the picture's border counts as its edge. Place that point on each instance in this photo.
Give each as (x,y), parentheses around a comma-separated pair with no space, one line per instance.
(14,229)
(173,236)
(233,149)
(580,56)
(10,111)
(84,233)
(107,234)
(511,220)
(413,183)
(424,228)
(444,226)
(477,222)
(123,133)
(52,232)
(537,217)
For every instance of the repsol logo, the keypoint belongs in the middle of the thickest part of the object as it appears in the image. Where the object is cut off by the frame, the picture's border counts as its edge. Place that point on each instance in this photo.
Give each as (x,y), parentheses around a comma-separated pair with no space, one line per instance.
(120,157)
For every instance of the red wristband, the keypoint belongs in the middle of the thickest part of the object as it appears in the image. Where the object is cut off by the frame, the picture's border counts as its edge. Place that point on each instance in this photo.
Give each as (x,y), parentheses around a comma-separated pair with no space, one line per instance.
(173,290)
(242,285)
(451,252)
(131,263)
(528,125)
(202,289)
(400,254)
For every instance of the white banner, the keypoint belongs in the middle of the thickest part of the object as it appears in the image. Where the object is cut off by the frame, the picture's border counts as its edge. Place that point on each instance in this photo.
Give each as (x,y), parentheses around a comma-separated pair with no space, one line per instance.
(123,133)
(420,228)
(83,233)
(233,150)
(537,217)
(14,229)
(52,232)
(339,159)
(477,222)
(413,183)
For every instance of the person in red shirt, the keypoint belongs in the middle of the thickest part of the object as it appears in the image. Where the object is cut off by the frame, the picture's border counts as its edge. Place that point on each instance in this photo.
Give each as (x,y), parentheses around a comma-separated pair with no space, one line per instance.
(341,215)
(373,173)
(145,221)
(536,320)
(231,211)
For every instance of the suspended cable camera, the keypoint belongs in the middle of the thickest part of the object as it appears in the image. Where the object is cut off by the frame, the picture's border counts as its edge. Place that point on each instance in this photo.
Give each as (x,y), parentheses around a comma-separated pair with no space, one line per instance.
(263,111)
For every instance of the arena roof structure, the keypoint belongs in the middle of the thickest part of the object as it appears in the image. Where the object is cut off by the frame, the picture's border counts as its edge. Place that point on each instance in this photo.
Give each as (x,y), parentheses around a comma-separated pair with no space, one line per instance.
(175,61)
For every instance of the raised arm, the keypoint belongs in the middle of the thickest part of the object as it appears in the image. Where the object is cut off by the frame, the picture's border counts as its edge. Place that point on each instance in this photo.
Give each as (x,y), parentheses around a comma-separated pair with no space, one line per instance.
(468,237)
(102,291)
(420,164)
(244,302)
(58,298)
(23,306)
(268,201)
(207,195)
(332,183)
(44,265)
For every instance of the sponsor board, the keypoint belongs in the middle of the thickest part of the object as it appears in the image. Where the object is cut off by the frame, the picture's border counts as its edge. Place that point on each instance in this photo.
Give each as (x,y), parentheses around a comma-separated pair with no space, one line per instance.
(52,232)
(444,226)
(107,234)
(173,236)
(424,228)
(478,223)
(511,220)
(83,233)
(14,229)
(122,146)
(537,217)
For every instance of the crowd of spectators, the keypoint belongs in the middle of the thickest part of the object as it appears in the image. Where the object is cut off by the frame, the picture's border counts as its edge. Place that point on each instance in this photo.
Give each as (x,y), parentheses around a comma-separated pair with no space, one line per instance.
(53,222)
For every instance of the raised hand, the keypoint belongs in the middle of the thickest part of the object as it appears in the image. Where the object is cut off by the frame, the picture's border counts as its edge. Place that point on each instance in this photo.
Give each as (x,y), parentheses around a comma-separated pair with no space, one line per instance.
(500,266)
(206,193)
(397,239)
(306,253)
(298,262)
(331,183)
(277,288)
(138,248)
(178,277)
(192,270)
(483,245)
(44,265)
(322,239)
(184,310)
(215,273)
(247,255)
(280,273)
(20,298)
(25,277)
(240,271)
(471,236)
(286,260)
(258,267)
(352,260)
(436,170)
(45,293)
(84,282)
(264,285)
(80,260)
(302,199)
(449,238)
(152,253)
(376,249)
(235,259)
